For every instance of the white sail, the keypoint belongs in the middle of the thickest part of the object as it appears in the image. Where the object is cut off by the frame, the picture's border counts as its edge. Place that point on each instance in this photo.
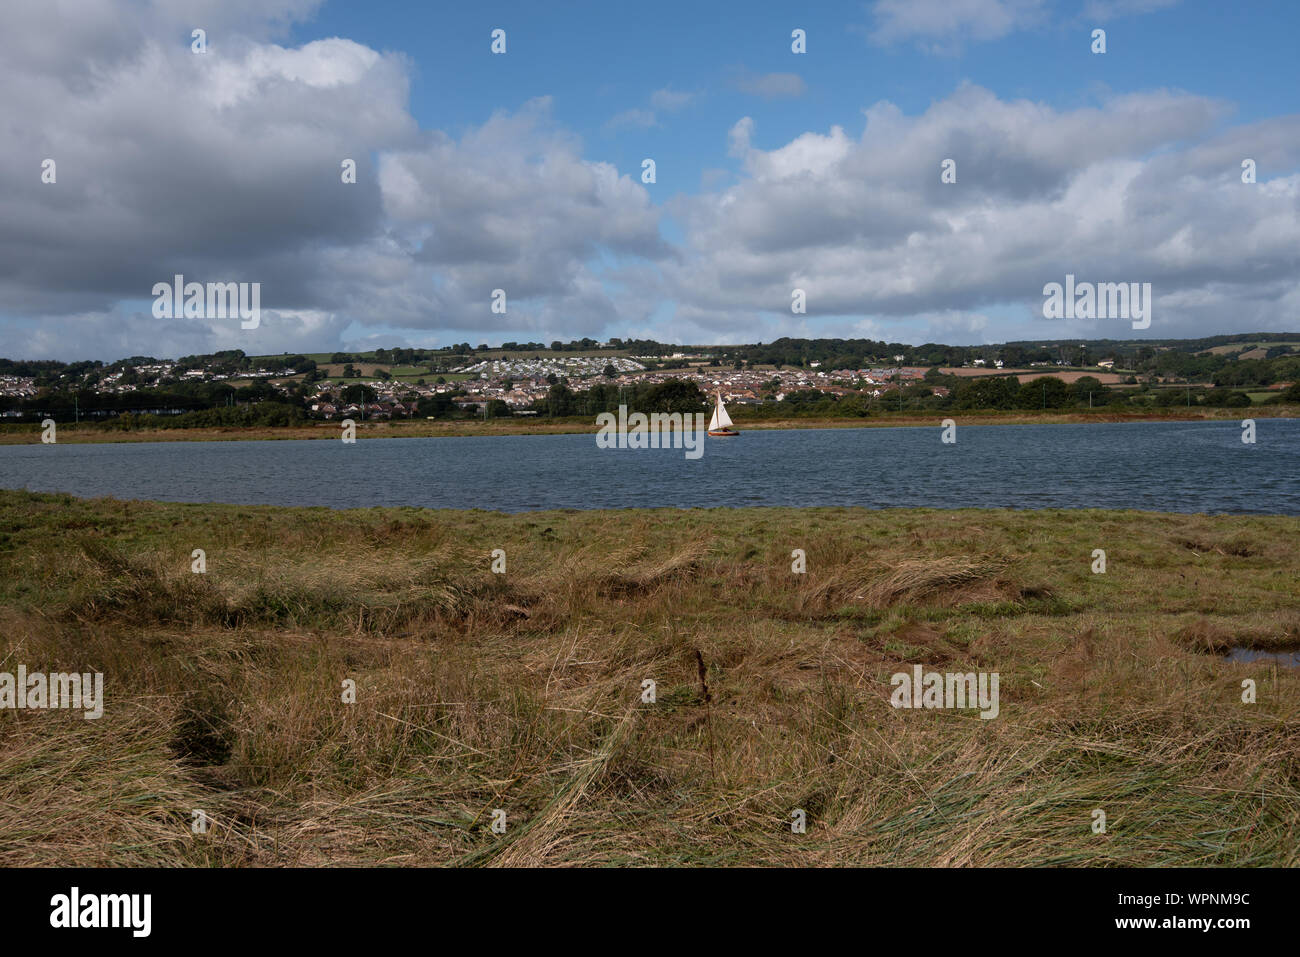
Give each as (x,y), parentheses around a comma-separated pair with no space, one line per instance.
(720,418)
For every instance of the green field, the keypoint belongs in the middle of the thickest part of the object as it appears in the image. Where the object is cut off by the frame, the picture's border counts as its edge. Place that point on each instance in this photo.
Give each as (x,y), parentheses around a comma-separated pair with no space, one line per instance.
(1249,345)
(523,691)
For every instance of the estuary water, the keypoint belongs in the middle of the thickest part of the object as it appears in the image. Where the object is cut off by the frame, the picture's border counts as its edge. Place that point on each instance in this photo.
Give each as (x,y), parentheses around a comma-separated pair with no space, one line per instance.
(1159,466)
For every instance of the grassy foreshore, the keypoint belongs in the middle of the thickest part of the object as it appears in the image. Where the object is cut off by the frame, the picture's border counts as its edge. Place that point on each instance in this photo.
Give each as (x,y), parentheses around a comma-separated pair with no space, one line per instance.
(523,691)
(26,434)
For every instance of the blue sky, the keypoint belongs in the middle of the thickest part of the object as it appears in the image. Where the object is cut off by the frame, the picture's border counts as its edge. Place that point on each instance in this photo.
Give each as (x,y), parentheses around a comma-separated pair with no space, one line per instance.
(775,170)
(598,60)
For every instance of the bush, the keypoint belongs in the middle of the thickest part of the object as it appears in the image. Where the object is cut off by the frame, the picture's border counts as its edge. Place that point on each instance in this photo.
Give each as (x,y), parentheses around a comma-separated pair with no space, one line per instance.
(1227,399)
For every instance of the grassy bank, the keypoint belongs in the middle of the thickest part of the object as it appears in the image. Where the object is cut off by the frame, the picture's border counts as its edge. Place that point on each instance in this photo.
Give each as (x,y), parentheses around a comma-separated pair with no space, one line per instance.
(522,691)
(11,434)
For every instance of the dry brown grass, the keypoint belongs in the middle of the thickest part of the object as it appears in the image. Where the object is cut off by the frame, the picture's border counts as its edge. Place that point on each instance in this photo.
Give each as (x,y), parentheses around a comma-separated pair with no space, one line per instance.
(522,691)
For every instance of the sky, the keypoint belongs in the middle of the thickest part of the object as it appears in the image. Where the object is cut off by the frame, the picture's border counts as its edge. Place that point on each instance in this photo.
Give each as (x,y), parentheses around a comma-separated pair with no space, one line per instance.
(524,171)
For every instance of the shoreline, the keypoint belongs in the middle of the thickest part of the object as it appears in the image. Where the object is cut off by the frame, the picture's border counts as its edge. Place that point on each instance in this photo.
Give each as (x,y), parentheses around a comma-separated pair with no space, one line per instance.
(13,497)
(87,434)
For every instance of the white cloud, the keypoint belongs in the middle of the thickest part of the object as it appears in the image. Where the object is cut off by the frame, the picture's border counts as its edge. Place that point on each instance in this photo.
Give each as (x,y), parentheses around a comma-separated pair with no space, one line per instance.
(669,100)
(666,100)
(771,85)
(634,118)
(738,137)
(512,205)
(226,167)
(943,25)
(1144,187)
(1103,10)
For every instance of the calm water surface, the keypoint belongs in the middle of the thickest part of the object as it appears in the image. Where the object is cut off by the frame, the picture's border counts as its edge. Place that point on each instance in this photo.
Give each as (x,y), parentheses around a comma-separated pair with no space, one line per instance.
(1288,659)
(1162,466)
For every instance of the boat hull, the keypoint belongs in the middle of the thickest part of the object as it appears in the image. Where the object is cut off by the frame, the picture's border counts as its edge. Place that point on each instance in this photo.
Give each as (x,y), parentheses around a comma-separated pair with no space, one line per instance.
(724,433)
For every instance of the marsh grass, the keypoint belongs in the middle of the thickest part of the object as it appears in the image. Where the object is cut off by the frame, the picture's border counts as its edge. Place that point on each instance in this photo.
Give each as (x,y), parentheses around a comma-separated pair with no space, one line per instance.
(521,691)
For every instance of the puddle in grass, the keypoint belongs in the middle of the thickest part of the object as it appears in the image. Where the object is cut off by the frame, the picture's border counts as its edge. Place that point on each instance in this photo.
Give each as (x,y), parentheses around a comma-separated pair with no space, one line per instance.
(1287,658)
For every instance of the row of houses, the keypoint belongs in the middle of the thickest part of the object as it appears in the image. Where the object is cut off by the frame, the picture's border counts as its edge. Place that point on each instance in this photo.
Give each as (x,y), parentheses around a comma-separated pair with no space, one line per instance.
(19,386)
(366,410)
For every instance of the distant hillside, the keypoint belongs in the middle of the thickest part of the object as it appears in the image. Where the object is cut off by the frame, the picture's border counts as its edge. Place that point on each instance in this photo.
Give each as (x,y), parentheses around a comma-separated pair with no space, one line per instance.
(1181,357)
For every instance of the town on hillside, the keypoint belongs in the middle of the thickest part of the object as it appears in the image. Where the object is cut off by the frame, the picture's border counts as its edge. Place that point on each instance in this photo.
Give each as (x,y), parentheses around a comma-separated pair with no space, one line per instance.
(789,376)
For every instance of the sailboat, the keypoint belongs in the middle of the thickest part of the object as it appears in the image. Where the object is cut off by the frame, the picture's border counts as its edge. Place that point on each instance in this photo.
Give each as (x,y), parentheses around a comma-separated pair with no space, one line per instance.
(720,424)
